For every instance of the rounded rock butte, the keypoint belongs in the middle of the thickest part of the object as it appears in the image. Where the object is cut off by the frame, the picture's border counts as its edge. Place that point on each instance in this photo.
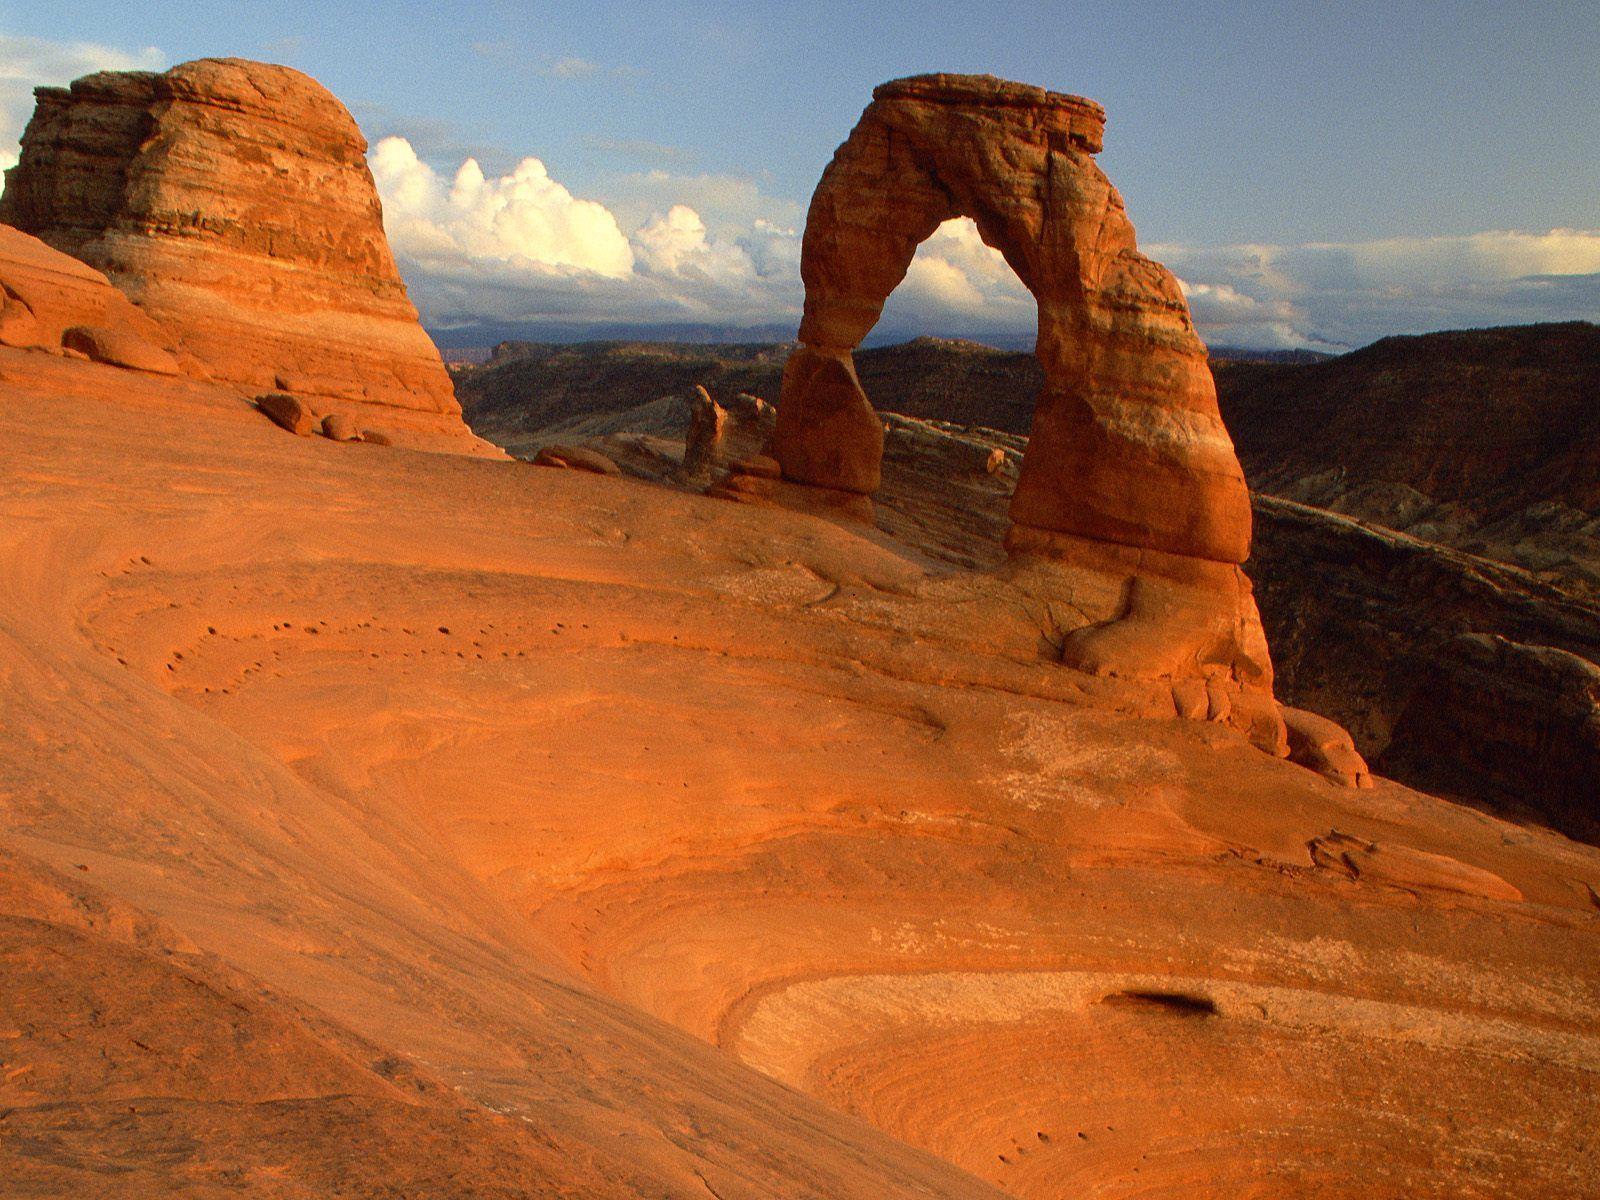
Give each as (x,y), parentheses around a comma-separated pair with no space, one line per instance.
(231,201)
(1127,445)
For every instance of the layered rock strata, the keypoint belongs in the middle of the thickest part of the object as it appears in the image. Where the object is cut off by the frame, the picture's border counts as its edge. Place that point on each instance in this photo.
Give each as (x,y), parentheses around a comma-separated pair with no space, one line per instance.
(231,200)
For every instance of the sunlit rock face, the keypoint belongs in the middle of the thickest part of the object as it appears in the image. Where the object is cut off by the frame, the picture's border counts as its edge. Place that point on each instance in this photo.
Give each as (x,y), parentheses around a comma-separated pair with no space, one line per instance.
(1127,443)
(51,301)
(232,201)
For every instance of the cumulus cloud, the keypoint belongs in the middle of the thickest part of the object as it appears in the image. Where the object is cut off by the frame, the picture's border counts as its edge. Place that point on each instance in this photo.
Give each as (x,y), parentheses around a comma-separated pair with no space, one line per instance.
(521,220)
(27,62)
(957,279)
(727,203)
(1226,316)
(660,248)
(1348,294)
(522,247)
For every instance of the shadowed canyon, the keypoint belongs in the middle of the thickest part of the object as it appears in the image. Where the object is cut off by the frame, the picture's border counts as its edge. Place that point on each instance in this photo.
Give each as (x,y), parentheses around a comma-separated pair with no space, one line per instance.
(755,795)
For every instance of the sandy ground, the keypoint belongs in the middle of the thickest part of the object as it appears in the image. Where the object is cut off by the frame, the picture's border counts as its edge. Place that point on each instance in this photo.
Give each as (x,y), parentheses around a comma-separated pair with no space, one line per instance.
(377,820)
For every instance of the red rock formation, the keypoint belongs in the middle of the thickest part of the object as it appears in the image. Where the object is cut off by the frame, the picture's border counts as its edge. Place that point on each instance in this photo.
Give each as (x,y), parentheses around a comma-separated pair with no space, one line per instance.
(1130,485)
(467,780)
(231,200)
(1127,443)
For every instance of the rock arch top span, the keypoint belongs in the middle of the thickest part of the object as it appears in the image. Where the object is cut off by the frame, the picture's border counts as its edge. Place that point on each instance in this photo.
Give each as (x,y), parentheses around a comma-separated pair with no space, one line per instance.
(1127,443)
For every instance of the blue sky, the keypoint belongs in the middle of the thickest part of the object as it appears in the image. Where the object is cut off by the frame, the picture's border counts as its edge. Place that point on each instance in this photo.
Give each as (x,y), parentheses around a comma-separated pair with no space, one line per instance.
(1316,174)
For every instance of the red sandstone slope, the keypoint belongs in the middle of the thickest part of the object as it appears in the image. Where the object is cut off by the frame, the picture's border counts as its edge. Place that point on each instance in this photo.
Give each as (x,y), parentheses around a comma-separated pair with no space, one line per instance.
(385,822)
(489,770)
(229,968)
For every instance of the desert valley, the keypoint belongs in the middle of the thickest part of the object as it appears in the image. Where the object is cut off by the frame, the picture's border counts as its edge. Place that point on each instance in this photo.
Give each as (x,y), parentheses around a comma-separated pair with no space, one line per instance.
(811,769)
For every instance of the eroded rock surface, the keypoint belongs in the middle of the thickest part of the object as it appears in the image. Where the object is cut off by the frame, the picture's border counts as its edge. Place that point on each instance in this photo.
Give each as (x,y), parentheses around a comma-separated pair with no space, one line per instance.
(231,200)
(533,784)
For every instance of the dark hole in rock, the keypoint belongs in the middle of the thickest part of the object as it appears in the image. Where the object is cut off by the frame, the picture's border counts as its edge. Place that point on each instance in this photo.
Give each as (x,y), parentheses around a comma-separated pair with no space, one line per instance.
(1181,1003)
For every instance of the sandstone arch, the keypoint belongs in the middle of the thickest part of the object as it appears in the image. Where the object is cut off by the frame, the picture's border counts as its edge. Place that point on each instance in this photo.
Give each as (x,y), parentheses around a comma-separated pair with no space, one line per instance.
(1127,443)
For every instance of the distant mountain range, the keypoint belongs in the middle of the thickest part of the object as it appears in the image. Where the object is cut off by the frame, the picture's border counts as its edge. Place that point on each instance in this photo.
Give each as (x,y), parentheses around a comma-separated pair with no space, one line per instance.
(474,343)
(518,387)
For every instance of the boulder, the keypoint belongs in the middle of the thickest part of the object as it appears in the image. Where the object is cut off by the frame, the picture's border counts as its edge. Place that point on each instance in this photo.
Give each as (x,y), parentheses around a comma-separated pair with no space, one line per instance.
(339,427)
(118,348)
(232,201)
(289,412)
(576,458)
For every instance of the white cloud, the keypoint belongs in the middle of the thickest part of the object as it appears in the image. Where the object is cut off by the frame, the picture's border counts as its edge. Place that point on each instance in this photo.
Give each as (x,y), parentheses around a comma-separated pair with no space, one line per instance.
(522,219)
(27,62)
(714,248)
(677,244)
(1351,293)
(521,247)
(729,204)
(956,278)
(1226,316)
(573,67)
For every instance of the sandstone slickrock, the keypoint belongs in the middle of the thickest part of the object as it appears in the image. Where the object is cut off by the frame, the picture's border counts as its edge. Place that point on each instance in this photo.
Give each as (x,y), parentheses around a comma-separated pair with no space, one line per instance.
(691,802)
(1363,623)
(231,200)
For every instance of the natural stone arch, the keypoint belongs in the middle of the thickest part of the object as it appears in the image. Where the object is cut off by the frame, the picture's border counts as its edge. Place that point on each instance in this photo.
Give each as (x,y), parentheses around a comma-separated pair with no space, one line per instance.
(1127,443)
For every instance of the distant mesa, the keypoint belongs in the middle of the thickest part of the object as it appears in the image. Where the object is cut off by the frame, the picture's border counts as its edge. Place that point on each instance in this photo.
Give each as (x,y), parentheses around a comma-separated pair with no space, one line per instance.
(232,202)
